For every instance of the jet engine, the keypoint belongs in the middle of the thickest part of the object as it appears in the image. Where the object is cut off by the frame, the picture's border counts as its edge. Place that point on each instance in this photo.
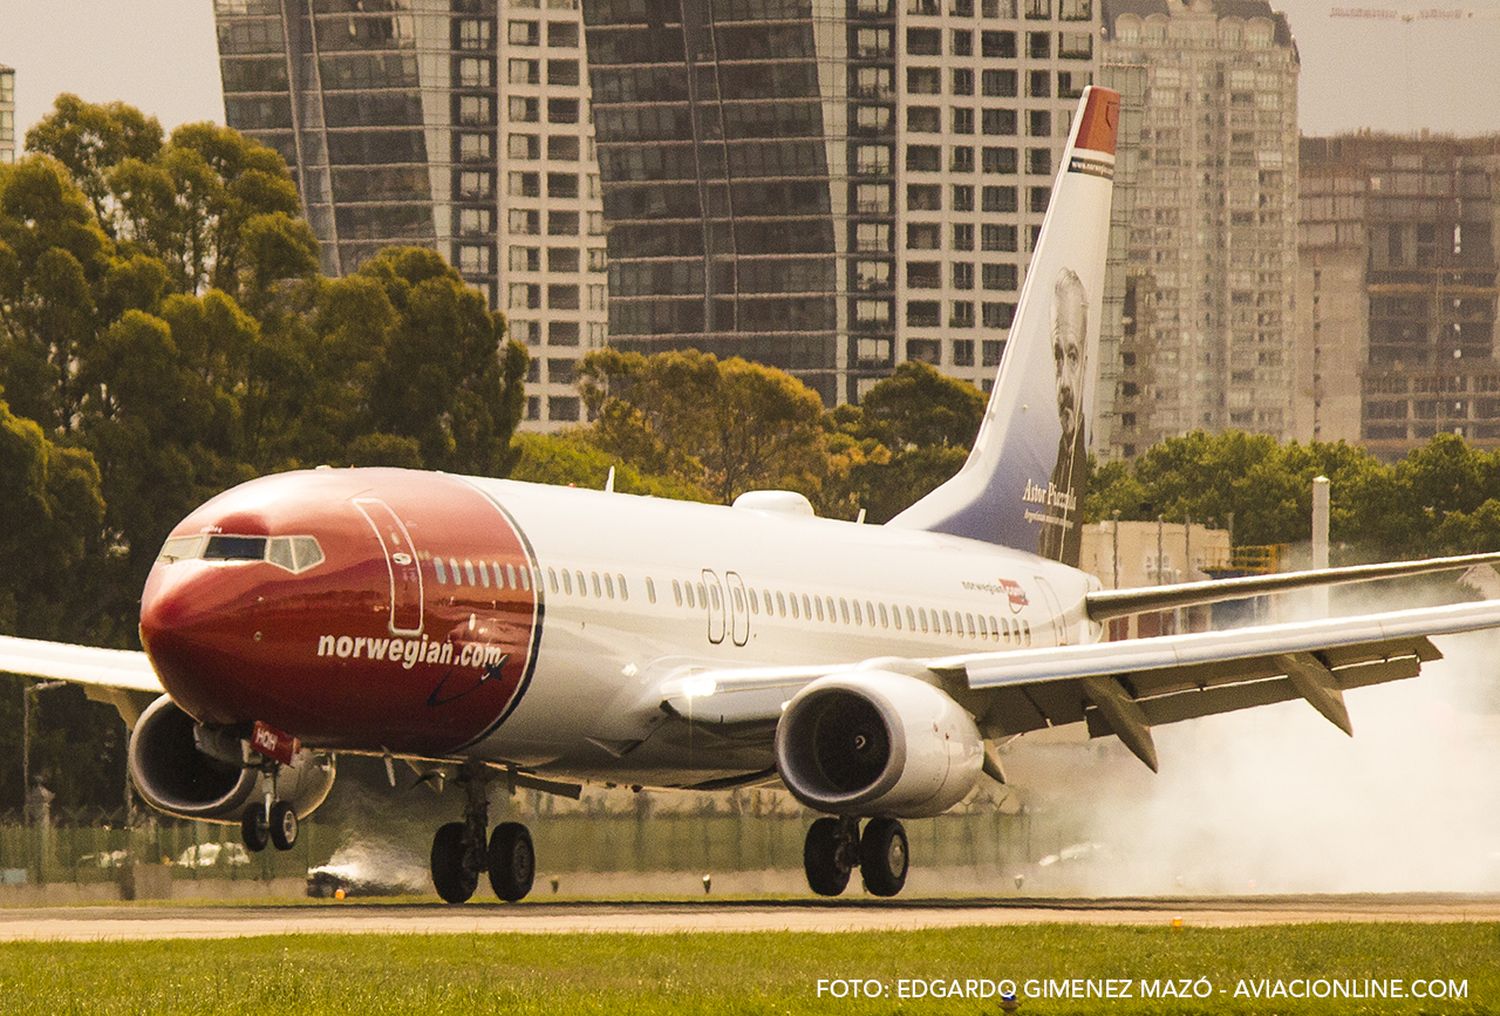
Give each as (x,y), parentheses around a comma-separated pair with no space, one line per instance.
(877,743)
(191,771)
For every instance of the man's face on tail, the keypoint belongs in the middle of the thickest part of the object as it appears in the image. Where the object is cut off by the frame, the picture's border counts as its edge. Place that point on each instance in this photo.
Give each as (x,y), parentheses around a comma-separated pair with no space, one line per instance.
(1069,328)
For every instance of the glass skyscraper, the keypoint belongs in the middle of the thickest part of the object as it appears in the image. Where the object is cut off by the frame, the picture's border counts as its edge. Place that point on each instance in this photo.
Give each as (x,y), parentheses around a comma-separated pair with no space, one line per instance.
(830,186)
(453,124)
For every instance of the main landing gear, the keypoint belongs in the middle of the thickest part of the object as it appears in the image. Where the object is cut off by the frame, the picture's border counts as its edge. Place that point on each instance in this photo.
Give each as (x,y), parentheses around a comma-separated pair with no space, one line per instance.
(835,847)
(460,852)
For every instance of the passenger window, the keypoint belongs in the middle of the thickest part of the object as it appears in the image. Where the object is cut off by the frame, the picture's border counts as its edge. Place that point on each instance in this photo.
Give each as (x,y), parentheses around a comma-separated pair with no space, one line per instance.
(794,606)
(984,632)
(440,571)
(469,572)
(1026,631)
(994,629)
(650,590)
(458,576)
(884,620)
(770,607)
(858,617)
(567,582)
(510,575)
(754,601)
(525,574)
(484,576)
(870,611)
(896,616)
(552,578)
(609,585)
(739,602)
(972,630)
(702,594)
(806,607)
(922,616)
(583,587)
(844,609)
(911,620)
(832,615)
(781,604)
(690,600)
(713,591)
(947,623)
(818,603)
(624,593)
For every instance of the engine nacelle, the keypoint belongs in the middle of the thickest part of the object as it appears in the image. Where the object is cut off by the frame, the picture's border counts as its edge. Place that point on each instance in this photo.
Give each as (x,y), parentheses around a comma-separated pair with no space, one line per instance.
(173,772)
(877,743)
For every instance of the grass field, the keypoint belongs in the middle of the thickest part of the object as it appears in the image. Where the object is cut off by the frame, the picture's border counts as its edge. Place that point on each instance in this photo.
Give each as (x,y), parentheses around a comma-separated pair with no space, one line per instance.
(739,973)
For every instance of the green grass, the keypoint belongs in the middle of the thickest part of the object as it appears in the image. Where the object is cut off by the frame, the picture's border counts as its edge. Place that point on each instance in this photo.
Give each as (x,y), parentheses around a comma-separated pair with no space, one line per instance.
(730,973)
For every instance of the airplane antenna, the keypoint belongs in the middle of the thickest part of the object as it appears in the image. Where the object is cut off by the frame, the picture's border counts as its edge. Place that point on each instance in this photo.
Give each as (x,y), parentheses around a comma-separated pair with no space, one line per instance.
(609,483)
(859,519)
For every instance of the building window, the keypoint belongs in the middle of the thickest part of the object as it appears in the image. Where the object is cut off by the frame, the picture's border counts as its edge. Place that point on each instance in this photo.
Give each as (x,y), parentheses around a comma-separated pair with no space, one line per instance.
(524,72)
(923,120)
(562,72)
(871,275)
(924,81)
(1039,45)
(990,350)
(475,72)
(961,315)
(999,160)
(924,275)
(474,259)
(923,314)
(1000,45)
(963,120)
(525,259)
(963,236)
(1039,84)
(474,33)
(524,109)
(963,275)
(476,146)
(997,236)
(924,350)
(998,122)
(1039,123)
(999,276)
(961,159)
(923,235)
(524,33)
(998,199)
(562,333)
(998,84)
(523,146)
(963,349)
(562,34)
(963,81)
(924,158)
(1039,161)
(563,407)
(474,110)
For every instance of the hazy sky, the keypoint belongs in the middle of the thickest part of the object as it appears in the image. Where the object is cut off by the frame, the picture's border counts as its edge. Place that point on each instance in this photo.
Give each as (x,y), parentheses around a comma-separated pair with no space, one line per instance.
(160,55)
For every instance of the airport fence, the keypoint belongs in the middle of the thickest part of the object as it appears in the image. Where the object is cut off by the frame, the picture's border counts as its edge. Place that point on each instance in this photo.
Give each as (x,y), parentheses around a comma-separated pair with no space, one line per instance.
(98,846)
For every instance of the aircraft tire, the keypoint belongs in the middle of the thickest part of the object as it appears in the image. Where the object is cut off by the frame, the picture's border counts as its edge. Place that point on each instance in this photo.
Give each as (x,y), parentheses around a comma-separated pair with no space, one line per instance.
(283,826)
(827,875)
(512,861)
(255,830)
(884,857)
(454,881)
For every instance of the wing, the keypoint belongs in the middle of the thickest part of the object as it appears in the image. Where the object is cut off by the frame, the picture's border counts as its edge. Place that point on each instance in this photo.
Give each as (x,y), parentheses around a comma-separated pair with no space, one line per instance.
(120,677)
(1124,688)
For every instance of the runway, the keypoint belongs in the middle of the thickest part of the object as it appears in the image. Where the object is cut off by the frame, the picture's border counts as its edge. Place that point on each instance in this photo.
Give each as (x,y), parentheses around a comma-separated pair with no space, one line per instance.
(154,921)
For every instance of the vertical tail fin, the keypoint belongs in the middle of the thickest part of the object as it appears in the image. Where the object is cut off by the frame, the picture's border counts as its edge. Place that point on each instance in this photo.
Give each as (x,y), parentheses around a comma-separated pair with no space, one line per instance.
(1022,484)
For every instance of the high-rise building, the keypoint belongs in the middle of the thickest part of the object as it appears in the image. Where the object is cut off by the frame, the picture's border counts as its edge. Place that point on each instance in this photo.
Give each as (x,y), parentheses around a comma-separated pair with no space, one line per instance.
(1397,290)
(461,125)
(1212,244)
(830,187)
(7,114)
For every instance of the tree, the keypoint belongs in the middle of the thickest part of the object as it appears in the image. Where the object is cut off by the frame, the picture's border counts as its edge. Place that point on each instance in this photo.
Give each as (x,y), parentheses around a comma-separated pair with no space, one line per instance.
(915,428)
(90,139)
(568,459)
(726,425)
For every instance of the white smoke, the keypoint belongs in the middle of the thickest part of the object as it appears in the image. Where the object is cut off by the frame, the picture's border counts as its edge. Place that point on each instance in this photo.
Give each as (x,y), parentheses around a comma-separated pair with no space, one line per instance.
(369,865)
(1278,800)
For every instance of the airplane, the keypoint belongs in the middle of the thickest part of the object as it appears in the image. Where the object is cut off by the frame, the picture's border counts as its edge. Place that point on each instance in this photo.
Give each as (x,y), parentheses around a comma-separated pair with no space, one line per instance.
(495,633)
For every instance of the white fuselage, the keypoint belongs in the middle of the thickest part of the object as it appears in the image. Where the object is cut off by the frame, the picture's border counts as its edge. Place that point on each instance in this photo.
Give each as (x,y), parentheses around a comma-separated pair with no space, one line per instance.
(704,586)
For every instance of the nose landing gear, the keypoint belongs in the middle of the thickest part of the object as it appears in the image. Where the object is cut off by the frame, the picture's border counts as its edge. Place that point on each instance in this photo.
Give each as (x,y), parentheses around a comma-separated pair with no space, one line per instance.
(461,851)
(835,846)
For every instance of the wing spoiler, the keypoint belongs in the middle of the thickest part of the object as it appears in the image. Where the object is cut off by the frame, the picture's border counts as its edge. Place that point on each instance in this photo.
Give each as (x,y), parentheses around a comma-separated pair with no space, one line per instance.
(1107,603)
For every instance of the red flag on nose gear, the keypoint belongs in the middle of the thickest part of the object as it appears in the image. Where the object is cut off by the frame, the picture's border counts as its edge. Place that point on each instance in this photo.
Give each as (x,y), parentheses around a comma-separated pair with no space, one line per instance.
(273,743)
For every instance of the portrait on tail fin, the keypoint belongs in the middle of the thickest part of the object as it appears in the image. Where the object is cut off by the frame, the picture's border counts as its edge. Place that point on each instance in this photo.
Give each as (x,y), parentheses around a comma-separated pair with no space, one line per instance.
(1061,534)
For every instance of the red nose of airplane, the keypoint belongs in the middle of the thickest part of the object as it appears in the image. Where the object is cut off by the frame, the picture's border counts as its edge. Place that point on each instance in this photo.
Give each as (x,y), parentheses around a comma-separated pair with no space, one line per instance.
(200,634)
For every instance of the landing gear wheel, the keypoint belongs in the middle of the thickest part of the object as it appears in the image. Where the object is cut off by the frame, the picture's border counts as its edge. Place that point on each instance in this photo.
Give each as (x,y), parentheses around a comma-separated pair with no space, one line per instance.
(255,830)
(283,826)
(454,880)
(883,856)
(512,861)
(825,858)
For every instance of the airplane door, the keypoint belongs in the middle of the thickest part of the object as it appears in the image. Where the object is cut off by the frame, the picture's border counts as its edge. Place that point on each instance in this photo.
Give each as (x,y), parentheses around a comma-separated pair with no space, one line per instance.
(739,608)
(400,561)
(714,603)
(1054,608)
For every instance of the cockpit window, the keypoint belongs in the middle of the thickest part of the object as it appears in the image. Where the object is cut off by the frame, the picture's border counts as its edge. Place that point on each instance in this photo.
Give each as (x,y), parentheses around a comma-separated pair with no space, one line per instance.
(180,548)
(296,554)
(235,548)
